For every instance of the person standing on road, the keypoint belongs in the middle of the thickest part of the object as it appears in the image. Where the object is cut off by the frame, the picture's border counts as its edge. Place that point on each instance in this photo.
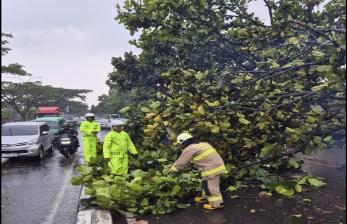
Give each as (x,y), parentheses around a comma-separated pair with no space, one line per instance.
(89,129)
(117,143)
(207,159)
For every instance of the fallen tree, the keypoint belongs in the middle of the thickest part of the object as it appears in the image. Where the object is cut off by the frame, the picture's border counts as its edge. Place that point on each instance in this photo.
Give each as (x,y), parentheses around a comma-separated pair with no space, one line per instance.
(252,91)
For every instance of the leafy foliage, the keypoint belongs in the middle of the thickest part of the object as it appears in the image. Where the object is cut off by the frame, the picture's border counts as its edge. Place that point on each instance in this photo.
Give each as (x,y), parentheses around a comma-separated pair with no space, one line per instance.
(258,93)
(150,191)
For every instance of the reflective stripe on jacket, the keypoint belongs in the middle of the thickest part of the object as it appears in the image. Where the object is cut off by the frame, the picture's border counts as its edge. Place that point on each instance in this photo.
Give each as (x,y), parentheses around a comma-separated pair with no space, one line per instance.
(204,157)
(87,129)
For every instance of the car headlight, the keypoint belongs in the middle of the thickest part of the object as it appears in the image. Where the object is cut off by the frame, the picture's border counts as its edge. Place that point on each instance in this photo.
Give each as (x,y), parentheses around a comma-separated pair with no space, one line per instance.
(32,142)
(65,142)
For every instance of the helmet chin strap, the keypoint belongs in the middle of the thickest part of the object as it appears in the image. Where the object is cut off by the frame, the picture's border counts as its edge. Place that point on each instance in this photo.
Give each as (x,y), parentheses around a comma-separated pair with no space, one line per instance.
(118,129)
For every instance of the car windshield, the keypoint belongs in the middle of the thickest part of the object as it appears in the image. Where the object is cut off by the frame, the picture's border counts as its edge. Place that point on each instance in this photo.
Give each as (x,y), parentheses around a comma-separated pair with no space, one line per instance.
(68,117)
(114,116)
(52,124)
(18,130)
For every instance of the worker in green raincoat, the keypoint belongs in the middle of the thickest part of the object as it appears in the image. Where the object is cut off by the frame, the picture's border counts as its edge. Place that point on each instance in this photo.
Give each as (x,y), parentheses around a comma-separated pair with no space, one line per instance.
(117,143)
(89,129)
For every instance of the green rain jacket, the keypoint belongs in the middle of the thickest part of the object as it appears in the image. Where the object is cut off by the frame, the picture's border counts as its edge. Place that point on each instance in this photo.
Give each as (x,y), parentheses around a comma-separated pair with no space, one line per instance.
(116,147)
(87,128)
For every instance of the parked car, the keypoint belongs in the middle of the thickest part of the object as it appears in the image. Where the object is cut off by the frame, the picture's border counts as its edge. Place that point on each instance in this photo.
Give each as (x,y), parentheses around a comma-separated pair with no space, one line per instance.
(55,124)
(25,139)
(104,124)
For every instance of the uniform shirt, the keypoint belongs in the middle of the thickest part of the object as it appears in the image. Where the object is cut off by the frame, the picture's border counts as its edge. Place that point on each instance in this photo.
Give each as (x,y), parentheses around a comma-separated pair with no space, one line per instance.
(204,157)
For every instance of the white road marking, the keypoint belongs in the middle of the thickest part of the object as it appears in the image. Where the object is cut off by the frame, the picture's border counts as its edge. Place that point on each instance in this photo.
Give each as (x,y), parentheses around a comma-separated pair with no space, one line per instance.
(66,181)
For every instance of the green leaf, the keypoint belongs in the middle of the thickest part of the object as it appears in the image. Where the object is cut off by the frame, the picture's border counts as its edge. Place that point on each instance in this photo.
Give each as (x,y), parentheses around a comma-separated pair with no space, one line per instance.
(284,191)
(324,68)
(135,187)
(318,54)
(306,200)
(310,119)
(293,40)
(292,131)
(153,105)
(295,219)
(261,125)
(327,139)
(175,190)
(317,109)
(124,109)
(298,188)
(302,180)
(293,162)
(266,150)
(317,140)
(319,87)
(84,169)
(201,110)
(200,75)
(145,109)
(315,182)
(215,129)
(180,205)
(144,202)
(77,180)
(274,65)
(244,121)
(231,188)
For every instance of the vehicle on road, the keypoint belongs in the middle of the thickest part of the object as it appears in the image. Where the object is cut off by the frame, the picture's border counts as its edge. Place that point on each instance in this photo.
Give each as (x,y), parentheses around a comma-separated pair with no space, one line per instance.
(112,117)
(55,124)
(104,124)
(49,112)
(70,119)
(25,139)
(66,146)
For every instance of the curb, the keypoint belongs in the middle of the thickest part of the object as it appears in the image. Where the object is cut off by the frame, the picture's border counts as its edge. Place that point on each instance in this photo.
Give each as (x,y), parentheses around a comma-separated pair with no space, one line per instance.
(87,215)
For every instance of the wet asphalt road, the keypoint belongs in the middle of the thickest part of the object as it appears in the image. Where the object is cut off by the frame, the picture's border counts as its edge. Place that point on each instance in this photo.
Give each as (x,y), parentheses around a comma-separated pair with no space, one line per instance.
(40,192)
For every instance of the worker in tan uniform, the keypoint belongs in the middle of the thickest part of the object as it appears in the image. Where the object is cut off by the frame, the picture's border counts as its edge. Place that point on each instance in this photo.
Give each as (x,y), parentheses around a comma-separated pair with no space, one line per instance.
(205,158)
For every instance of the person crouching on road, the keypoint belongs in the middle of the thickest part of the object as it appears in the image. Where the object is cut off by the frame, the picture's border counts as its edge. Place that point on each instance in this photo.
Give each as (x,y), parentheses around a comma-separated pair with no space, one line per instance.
(117,143)
(89,130)
(206,158)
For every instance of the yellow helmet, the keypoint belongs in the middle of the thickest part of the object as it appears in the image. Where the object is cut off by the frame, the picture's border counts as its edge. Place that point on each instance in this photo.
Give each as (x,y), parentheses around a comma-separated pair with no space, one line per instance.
(183,137)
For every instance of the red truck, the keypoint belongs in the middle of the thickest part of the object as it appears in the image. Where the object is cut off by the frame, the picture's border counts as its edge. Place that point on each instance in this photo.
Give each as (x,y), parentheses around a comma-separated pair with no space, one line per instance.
(49,112)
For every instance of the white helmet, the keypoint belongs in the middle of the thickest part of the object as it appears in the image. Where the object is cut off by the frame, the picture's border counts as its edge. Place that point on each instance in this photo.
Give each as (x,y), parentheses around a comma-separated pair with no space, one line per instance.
(89,115)
(183,137)
(117,123)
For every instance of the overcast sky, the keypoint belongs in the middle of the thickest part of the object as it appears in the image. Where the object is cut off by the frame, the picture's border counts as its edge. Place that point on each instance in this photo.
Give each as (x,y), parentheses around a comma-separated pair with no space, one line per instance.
(70,43)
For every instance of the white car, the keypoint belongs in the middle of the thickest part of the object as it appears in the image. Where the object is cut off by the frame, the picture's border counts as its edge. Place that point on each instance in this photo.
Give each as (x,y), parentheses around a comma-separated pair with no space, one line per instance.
(25,139)
(104,124)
